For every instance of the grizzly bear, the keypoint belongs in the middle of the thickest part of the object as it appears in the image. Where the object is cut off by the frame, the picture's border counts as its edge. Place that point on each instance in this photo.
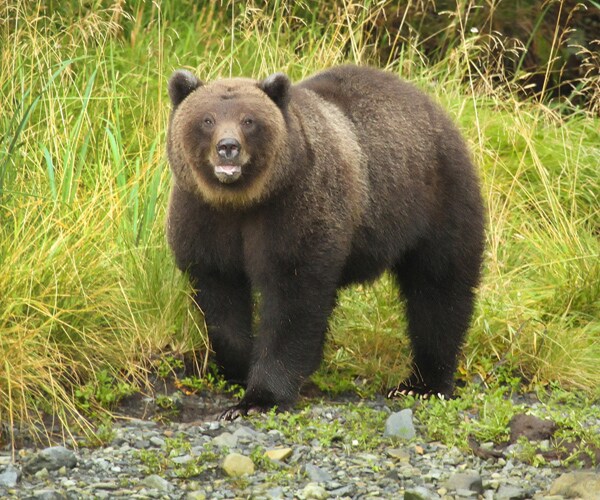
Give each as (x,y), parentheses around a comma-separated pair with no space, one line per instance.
(294,191)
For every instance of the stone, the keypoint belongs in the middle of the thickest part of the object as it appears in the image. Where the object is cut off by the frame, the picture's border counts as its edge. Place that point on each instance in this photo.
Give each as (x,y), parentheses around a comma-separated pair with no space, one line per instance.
(157,441)
(465,493)
(52,458)
(581,484)
(141,444)
(510,492)
(313,491)
(225,440)
(105,485)
(196,495)
(399,454)
(279,454)
(276,493)
(469,481)
(400,425)
(420,493)
(317,474)
(48,494)
(155,482)
(246,434)
(10,477)
(182,460)
(344,491)
(236,465)
(42,475)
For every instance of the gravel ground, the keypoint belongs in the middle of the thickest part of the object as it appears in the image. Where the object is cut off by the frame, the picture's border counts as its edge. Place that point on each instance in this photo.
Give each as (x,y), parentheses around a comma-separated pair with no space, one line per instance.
(207,458)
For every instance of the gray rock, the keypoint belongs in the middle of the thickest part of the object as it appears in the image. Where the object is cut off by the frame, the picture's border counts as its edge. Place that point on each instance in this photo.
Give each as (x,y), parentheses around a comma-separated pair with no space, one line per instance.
(141,444)
(584,485)
(225,440)
(276,493)
(105,485)
(510,492)
(465,493)
(247,434)
(420,493)
(157,441)
(317,474)
(10,477)
(182,460)
(470,481)
(52,458)
(155,482)
(344,491)
(48,494)
(400,425)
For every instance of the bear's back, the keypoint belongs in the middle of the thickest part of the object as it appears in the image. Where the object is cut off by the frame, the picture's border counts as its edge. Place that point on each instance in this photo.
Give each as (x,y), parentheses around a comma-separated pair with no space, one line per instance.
(414,156)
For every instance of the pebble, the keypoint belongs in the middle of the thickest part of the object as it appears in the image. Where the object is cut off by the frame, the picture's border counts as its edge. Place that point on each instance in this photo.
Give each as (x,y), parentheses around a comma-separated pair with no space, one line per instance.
(317,474)
(235,465)
(469,482)
(10,477)
(155,482)
(195,466)
(510,492)
(400,425)
(225,440)
(52,458)
(420,493)
(313,491)
(279,454)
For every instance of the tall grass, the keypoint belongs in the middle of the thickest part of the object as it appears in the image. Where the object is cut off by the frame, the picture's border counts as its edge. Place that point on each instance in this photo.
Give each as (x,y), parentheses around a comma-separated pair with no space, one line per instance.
(87,283)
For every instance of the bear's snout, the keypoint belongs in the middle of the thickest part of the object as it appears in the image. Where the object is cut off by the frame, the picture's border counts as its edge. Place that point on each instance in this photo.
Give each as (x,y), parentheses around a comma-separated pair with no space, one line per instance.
(228,148)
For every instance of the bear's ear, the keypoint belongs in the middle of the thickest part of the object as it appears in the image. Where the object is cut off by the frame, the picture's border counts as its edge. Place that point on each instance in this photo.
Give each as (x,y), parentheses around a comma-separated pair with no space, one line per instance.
(181,84)
(277,87)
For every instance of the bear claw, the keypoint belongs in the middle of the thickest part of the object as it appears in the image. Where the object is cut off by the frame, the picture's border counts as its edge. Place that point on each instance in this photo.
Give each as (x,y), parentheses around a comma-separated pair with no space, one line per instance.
(243,410)
(418,392)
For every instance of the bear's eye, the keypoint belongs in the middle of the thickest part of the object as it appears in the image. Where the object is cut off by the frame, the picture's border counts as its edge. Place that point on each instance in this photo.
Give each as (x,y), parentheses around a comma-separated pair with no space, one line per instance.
(208,121)
(247,122)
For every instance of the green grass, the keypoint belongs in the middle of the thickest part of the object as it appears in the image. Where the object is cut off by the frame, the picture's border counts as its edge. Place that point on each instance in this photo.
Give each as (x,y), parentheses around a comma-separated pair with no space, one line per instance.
(88,288)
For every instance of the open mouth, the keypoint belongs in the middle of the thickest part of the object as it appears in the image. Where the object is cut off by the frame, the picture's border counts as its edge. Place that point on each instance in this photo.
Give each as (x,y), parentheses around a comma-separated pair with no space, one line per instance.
(228,173)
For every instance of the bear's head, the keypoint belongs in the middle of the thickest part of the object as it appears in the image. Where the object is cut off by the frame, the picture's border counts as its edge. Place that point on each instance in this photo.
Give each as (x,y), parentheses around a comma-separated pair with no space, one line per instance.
(226,138)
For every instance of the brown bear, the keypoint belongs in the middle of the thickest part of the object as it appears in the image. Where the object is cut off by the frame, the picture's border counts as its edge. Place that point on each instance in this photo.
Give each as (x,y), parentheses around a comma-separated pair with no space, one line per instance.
(297,190)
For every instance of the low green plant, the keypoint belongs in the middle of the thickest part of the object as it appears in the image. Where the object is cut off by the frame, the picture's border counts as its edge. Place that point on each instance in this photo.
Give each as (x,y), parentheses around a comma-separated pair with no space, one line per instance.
(168,365)
(105,391)
(160,461)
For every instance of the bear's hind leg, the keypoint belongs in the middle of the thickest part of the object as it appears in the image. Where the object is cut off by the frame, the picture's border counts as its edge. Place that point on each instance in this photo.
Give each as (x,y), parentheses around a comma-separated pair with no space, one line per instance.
(226,301)
(439,305)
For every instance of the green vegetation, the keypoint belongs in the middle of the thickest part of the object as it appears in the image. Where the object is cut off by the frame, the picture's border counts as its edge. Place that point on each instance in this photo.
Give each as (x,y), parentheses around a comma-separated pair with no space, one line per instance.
(89,295)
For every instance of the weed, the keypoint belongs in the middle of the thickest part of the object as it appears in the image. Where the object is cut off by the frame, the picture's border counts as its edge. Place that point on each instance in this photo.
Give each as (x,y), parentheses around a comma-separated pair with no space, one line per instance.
(104,391)
(168,365)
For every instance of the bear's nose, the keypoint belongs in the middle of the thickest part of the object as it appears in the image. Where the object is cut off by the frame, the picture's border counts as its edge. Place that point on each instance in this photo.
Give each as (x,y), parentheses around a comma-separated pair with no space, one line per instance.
(228,148)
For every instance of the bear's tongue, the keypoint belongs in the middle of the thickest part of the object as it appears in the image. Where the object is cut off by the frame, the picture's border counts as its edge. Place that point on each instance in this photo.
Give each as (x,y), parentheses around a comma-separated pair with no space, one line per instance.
(228,173)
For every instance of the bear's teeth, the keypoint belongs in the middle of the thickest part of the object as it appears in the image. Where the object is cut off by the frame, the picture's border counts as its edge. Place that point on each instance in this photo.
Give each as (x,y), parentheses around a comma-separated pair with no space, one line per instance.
(227,169)
(228,173)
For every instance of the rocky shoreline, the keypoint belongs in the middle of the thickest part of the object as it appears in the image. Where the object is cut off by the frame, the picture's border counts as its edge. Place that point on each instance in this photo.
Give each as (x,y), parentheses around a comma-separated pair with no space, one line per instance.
(257,458)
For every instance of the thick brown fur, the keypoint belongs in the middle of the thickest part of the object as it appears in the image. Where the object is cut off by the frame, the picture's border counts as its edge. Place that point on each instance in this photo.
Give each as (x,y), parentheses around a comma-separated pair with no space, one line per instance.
(343,175)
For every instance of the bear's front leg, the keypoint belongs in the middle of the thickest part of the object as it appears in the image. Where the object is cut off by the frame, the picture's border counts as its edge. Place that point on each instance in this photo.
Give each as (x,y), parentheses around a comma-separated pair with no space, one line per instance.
(226,301)
(295,308)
